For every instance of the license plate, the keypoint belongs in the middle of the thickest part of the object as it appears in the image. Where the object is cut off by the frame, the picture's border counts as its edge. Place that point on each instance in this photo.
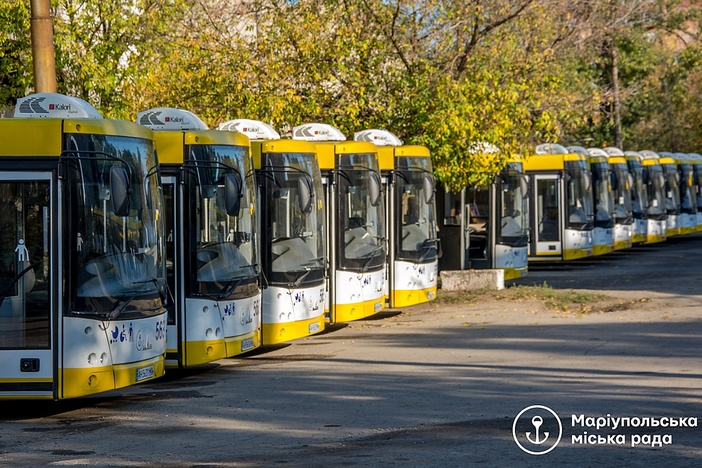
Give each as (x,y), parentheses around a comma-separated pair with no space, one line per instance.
(377,307)
(314,327)
(247,345)
(144,373)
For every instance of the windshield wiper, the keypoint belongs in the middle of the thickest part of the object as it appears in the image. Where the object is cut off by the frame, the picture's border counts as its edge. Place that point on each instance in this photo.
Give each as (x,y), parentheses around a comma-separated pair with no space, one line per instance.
(309,268)
(118,310)
(373,255)
(133,294)
(233,284)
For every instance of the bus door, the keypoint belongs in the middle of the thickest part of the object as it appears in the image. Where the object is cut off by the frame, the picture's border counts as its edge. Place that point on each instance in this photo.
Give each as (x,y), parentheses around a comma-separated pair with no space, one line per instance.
(547,219)
(26,285)
(479,211)
(330,219)
(175,330)
(454,231)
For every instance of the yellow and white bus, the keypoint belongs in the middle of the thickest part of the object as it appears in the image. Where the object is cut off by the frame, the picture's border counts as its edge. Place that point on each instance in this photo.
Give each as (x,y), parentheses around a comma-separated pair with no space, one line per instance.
(292,222)
(688,199)
(602,199)
(648,202)
(83,291)
(212,242)
(671,191)
(561,212)
(356,245)
(413,252)
(622,184)
(696,160)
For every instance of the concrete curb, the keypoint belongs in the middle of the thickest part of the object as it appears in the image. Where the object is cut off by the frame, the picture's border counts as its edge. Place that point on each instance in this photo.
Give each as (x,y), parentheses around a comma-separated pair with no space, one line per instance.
(464,280)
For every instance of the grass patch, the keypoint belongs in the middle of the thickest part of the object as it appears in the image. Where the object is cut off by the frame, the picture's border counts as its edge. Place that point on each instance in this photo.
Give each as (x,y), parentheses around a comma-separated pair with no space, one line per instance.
(565,300)
(460,297)
(559,299)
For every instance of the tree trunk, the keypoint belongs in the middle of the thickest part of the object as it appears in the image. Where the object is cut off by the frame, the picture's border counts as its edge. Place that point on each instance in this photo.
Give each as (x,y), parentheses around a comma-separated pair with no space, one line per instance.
(616,98)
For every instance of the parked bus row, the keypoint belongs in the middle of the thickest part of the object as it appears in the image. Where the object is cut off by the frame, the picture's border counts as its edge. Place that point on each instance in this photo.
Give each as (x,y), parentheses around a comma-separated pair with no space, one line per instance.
(563,204)
(130,247)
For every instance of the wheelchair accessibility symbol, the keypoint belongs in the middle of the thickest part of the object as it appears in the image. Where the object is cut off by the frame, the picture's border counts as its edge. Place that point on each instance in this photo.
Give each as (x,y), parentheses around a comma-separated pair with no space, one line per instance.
(537,430)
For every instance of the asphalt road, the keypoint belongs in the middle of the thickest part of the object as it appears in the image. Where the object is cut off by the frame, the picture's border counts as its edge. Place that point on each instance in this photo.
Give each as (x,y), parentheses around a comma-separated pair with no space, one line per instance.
(436,385)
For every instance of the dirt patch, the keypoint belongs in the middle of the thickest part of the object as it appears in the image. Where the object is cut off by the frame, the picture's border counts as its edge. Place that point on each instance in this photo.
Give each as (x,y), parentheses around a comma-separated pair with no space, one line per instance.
(567,301)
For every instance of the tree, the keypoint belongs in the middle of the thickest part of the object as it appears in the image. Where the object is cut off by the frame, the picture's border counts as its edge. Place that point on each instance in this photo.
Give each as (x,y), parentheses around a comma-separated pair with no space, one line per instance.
(101,44)
(630,49)
(15,51)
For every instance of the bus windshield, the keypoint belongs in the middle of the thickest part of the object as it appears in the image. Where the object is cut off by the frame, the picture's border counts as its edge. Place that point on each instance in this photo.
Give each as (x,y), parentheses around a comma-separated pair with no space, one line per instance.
(622,194)
(672,191)
(514,225)
(361,213)
(697,185)
(639,194)
(415,190)
(656,188)
(688,202)
(602,194)
(293,214)
(116,255)
(579,197)
(224,260)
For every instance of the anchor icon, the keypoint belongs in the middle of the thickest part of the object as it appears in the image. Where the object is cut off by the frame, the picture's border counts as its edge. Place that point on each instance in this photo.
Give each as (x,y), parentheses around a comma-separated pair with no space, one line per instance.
(537,421)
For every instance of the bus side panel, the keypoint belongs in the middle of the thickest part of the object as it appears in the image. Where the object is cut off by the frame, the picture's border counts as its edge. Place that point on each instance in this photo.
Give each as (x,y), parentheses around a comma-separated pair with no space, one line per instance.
(289,314)
(656,231)
(359,295)
(135,348)
(511,259)
(203,339)
(86,364)
(640,228)
(37,383)
(578,244)
(603,242)
(415,283)
(242,324)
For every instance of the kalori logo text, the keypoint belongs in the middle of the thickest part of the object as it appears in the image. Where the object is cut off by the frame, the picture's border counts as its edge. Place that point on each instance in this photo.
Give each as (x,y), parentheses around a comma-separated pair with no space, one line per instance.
(60,107)
(537,430)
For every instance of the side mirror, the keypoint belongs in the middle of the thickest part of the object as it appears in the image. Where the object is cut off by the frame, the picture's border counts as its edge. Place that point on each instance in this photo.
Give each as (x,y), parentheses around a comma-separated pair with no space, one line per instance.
(428,188)
(374,189)
(119,188)
(306,193)
(232,194)
(585,180)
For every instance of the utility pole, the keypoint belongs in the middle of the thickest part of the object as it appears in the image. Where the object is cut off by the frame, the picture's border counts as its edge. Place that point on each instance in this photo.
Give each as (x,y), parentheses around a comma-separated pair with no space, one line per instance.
(43,47)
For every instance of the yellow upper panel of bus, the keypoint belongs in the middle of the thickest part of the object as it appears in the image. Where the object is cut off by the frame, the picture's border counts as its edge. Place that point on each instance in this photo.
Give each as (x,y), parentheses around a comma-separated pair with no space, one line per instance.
(327,151)
(550,162)
(44,137)
(170,145)
(387,154)
(617,160)
(261,148)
